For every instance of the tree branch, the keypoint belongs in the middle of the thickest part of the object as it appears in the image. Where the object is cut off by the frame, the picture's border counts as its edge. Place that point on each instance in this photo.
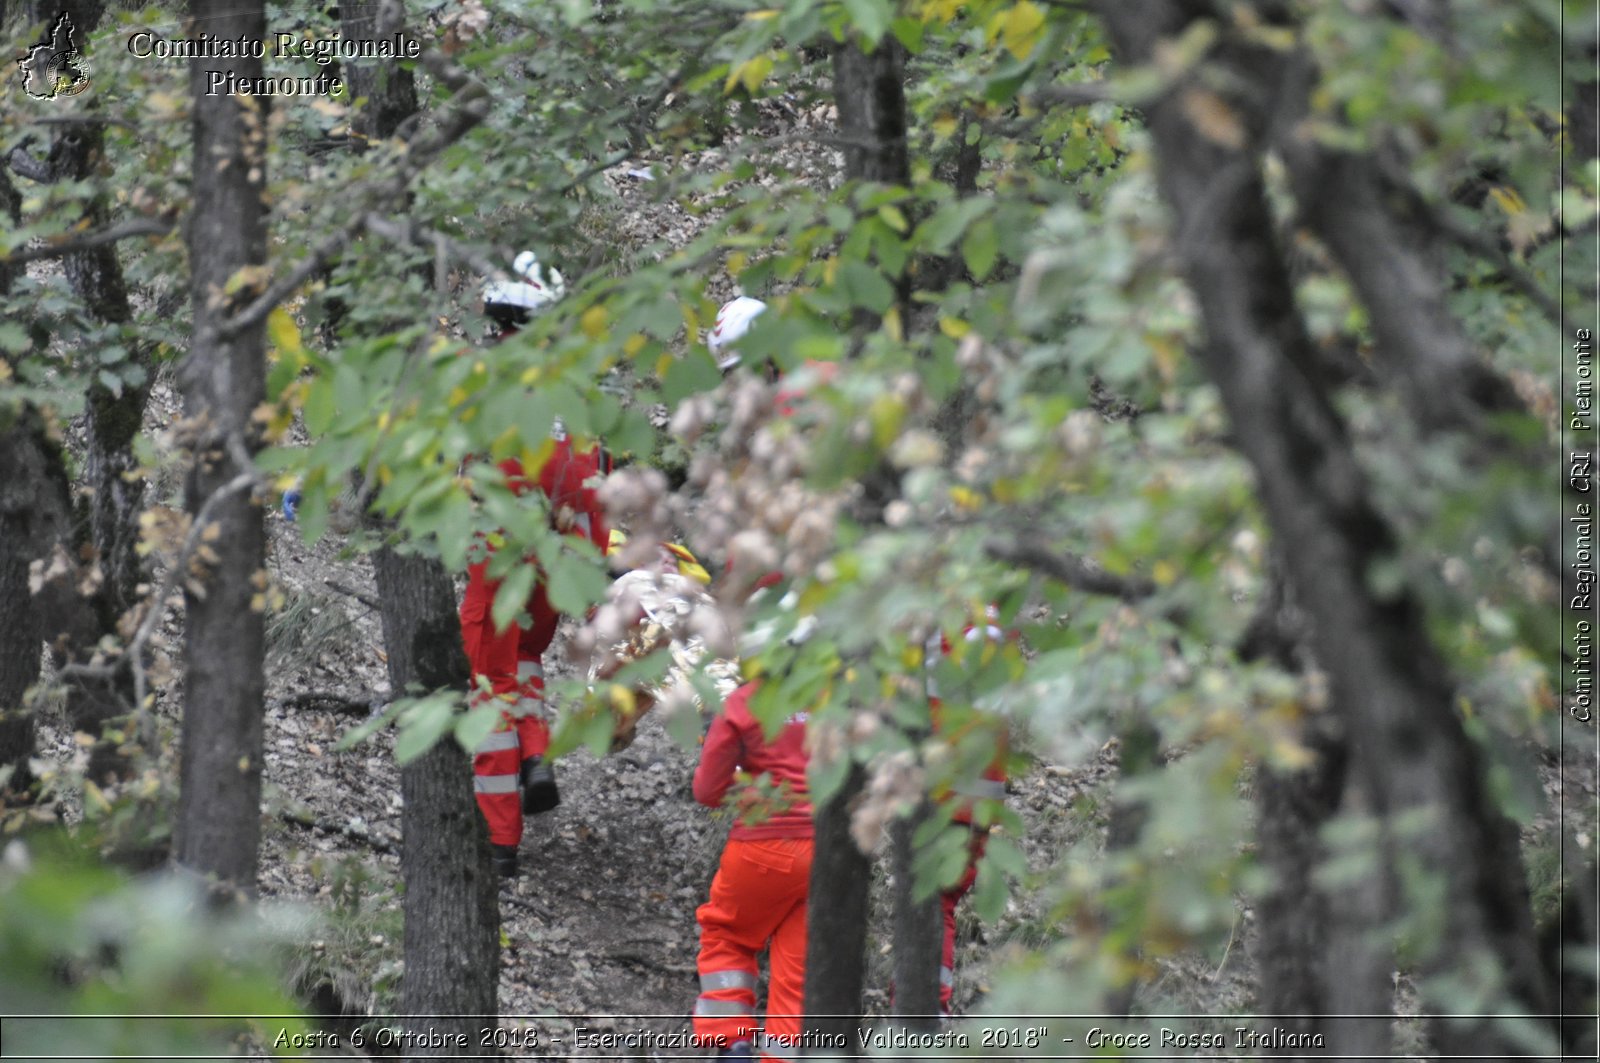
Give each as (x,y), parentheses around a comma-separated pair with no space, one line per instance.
(464,112)
(1073,570)
(89,241)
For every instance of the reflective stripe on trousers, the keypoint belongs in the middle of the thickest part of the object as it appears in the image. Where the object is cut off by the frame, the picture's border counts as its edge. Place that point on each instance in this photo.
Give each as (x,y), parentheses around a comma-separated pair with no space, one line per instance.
(721,1008)
(497,740)
(494,784)
(727,980)
(990,788)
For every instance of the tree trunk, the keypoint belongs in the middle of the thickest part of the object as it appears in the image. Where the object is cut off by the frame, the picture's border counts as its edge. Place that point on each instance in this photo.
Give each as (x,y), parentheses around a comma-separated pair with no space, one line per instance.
(1317,965)
(219,808)
(869,93)
(390,89)
(106,530)
(836,924)
(918,934)
(19,511)
(34,511)
(1413,759)
(452,934)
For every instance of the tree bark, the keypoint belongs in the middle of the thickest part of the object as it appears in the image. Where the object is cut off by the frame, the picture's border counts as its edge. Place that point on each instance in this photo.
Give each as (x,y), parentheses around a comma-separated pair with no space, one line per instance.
(20,538)
(34,511)
(1413,759)
(869,94)
(223,377)
(106,531)
(836,924)
(918,933)
(390,89)
(452,918)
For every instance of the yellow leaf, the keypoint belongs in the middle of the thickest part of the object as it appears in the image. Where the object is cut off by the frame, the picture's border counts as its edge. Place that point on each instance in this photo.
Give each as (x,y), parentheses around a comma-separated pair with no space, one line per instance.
(945,126)
(736,263)
(750,73)
(893,218)
(891,324)
(1164,572)
(966,497)
(593,322)
(282,332)
(663,363)
(1021,28)
(762,15)
(1510,202)
(94,799)
(530,376)
(457,396)
(633,344)
(953,327)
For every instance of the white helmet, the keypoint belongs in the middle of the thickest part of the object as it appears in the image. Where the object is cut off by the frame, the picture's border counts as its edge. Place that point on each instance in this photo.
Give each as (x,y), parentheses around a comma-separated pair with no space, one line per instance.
(533,290)
(733,321)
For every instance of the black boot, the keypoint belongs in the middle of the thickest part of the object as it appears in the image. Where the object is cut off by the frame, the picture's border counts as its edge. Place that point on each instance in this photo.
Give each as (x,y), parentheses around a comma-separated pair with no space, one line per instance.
(539,793)
(504,859)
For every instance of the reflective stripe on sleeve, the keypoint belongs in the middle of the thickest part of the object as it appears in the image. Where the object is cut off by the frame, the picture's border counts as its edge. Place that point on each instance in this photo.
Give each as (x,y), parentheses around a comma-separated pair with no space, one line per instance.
(727,980)
(527,670)
(497,741)
(494,784)
(709,1009)
(947,976)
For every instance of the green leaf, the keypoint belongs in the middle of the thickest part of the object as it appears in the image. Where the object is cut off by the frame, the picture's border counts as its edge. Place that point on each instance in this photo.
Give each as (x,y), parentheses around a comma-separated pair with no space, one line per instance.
(319,407)
(981,248)
(693,373)
(865,286)
(633,435)
(573,583)
(989,892)
(422,722)
(871,18)
(512,597)
(13,337)
(944,227)
(473,726)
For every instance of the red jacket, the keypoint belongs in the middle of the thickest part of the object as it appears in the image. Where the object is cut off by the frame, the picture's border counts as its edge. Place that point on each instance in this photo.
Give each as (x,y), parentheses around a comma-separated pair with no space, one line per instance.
(562,481)
(737,743)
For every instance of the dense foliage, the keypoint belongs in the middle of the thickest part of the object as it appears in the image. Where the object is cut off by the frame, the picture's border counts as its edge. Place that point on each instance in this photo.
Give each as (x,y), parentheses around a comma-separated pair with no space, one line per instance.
(1017,419)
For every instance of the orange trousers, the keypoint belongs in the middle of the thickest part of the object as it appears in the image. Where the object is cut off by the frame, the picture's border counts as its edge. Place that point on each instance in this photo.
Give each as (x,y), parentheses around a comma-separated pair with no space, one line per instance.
(758,898)
(948,902)
(514,672)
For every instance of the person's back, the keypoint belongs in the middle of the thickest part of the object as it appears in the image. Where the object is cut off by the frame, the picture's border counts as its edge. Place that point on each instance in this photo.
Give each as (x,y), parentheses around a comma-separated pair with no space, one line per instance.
(758,898)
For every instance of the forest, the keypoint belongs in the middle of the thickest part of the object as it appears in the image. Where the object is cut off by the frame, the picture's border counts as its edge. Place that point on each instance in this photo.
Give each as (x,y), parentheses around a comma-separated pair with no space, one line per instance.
(1157,480)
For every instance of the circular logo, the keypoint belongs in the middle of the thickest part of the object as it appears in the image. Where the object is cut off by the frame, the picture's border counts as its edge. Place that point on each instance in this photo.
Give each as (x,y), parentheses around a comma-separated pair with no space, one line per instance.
(65,73)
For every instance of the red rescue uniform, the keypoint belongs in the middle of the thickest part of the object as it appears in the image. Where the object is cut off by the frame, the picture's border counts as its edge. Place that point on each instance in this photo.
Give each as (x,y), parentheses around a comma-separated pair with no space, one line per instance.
(510,660)
(758,897)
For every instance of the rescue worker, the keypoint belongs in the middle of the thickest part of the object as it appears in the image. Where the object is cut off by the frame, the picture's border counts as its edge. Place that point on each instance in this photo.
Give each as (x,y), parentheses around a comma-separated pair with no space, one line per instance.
(734,319)
(991,786)
(510,775)
(758,896)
